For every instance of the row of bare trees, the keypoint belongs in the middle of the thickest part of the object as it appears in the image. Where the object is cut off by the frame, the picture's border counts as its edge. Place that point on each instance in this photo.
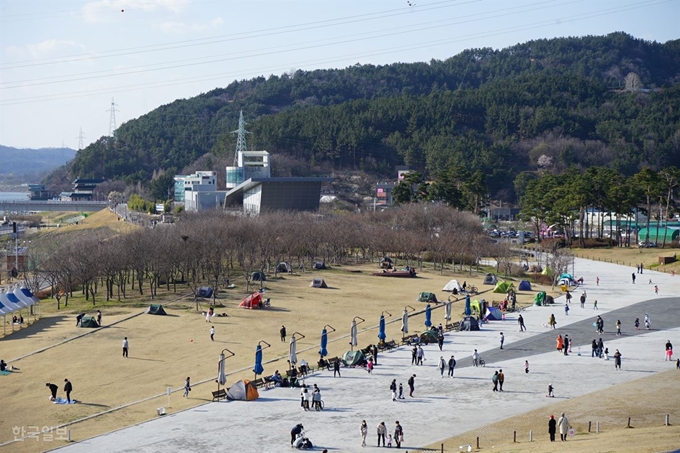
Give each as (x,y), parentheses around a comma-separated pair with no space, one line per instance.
(208,249)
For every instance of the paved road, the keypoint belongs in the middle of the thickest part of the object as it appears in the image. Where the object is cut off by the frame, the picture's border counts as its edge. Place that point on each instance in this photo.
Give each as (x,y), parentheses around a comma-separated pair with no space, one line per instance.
(582,333)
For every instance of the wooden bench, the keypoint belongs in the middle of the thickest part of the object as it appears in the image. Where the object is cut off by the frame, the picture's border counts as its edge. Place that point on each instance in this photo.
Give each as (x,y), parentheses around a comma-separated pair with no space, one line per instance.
(390,345)
(410,339)
(220,394)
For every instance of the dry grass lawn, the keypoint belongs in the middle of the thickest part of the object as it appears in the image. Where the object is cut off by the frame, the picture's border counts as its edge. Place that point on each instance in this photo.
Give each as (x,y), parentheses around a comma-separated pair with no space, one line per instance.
(632,256)
(645,400)
(162,353)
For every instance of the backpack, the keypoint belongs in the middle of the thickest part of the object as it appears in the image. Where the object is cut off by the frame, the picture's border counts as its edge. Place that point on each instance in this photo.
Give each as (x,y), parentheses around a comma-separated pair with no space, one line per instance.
(495,378)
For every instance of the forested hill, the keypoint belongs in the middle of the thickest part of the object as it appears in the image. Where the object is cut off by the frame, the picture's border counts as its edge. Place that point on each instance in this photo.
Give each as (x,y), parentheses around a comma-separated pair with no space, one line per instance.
(587,101)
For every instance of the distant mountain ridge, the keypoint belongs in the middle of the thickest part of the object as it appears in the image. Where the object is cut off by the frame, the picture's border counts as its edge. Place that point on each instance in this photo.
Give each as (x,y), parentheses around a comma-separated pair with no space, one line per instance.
(27,165)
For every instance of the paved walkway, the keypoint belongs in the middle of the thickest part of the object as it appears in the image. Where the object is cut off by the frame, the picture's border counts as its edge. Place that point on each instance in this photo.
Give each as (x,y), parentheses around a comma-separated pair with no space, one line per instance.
(441,406)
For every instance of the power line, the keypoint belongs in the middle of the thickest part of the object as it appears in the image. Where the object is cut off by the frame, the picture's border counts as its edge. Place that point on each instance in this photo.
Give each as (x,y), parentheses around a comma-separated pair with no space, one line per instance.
(221,38)
(275,50)
(401,48)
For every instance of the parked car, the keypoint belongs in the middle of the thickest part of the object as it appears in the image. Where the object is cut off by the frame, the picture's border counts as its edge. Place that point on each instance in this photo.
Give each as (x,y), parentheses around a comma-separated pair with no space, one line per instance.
(643,244)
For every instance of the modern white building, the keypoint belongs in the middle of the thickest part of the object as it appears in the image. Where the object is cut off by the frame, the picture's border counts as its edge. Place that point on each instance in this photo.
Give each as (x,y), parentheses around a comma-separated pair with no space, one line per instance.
(199,191)
(250,164)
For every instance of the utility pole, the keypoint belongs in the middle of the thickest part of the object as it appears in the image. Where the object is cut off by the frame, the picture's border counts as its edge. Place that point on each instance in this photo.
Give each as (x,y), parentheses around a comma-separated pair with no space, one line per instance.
(112,118)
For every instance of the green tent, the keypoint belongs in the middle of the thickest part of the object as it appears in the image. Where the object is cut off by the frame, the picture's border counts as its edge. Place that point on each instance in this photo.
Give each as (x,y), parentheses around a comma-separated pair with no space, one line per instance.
(475,306)
(89,321)
(258,276)
(503,287)
(427,297)
(429,336)
(540,298)
(352,358)
(156,309)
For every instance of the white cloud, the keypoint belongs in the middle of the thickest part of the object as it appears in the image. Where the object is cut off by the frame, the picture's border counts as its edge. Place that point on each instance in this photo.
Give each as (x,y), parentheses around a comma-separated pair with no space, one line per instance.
(48,48)
(109,10)
(183,27)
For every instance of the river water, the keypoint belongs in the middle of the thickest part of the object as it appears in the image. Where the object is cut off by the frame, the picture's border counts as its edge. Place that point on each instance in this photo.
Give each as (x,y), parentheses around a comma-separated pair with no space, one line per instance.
(14,196)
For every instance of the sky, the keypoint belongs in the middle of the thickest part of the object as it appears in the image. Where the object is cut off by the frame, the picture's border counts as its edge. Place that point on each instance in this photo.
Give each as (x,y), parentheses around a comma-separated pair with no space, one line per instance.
(62,62)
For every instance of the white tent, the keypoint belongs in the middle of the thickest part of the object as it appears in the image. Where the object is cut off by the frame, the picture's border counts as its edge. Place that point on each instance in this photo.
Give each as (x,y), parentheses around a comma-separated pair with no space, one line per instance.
(9,306)
(25,296)
(451,285)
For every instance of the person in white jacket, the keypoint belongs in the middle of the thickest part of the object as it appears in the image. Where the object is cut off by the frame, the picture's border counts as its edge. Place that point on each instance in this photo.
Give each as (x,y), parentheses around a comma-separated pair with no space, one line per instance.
(364,431)
(563,424)
(381,430)
(475,358)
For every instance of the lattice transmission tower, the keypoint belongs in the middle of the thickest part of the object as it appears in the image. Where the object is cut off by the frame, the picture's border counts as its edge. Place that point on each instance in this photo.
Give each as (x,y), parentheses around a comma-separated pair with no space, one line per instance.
(80,138)
(240,138)
(112,118)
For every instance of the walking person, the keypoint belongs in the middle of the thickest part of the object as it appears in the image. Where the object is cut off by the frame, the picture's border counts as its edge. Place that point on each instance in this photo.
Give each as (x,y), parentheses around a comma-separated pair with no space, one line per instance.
(597,281)
(551,322)
(421,355)
(594,346)
(502,340)
(452,365)
(401,391)
(526,367)
(411,385)
(656,290)
(563,423)
(393,389)
(566,309)
(560,343)
(99,317)
(552,425)
(637,323)
(617,360)
(566,344)
(648,322)
(600,348)
(501,379)
(369,365)
(520,321)
(381,430)
(282,332)
(398,434)
(303,398)
(126,346)
(583,300)
(475,358)
(669,351)
(187,387)
(442,365)
(550,391)
(68,388)
(633,277)
(440,340)
(336,368)
(414,355)
(618,327)
(53,390)
(364,432)
(595,305)
(494,379)
(212,333)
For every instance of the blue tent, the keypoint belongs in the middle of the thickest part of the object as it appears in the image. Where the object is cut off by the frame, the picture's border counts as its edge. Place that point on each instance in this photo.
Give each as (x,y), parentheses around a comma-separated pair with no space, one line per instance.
(428,316)
(524,285)
(259,369)
(494,314)
(205,291)
(468,311)
(324,343)
(381,331)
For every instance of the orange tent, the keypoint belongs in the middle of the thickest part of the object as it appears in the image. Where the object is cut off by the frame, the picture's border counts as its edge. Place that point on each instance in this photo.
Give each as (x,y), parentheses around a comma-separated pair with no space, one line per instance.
(243,391)
(252,301)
